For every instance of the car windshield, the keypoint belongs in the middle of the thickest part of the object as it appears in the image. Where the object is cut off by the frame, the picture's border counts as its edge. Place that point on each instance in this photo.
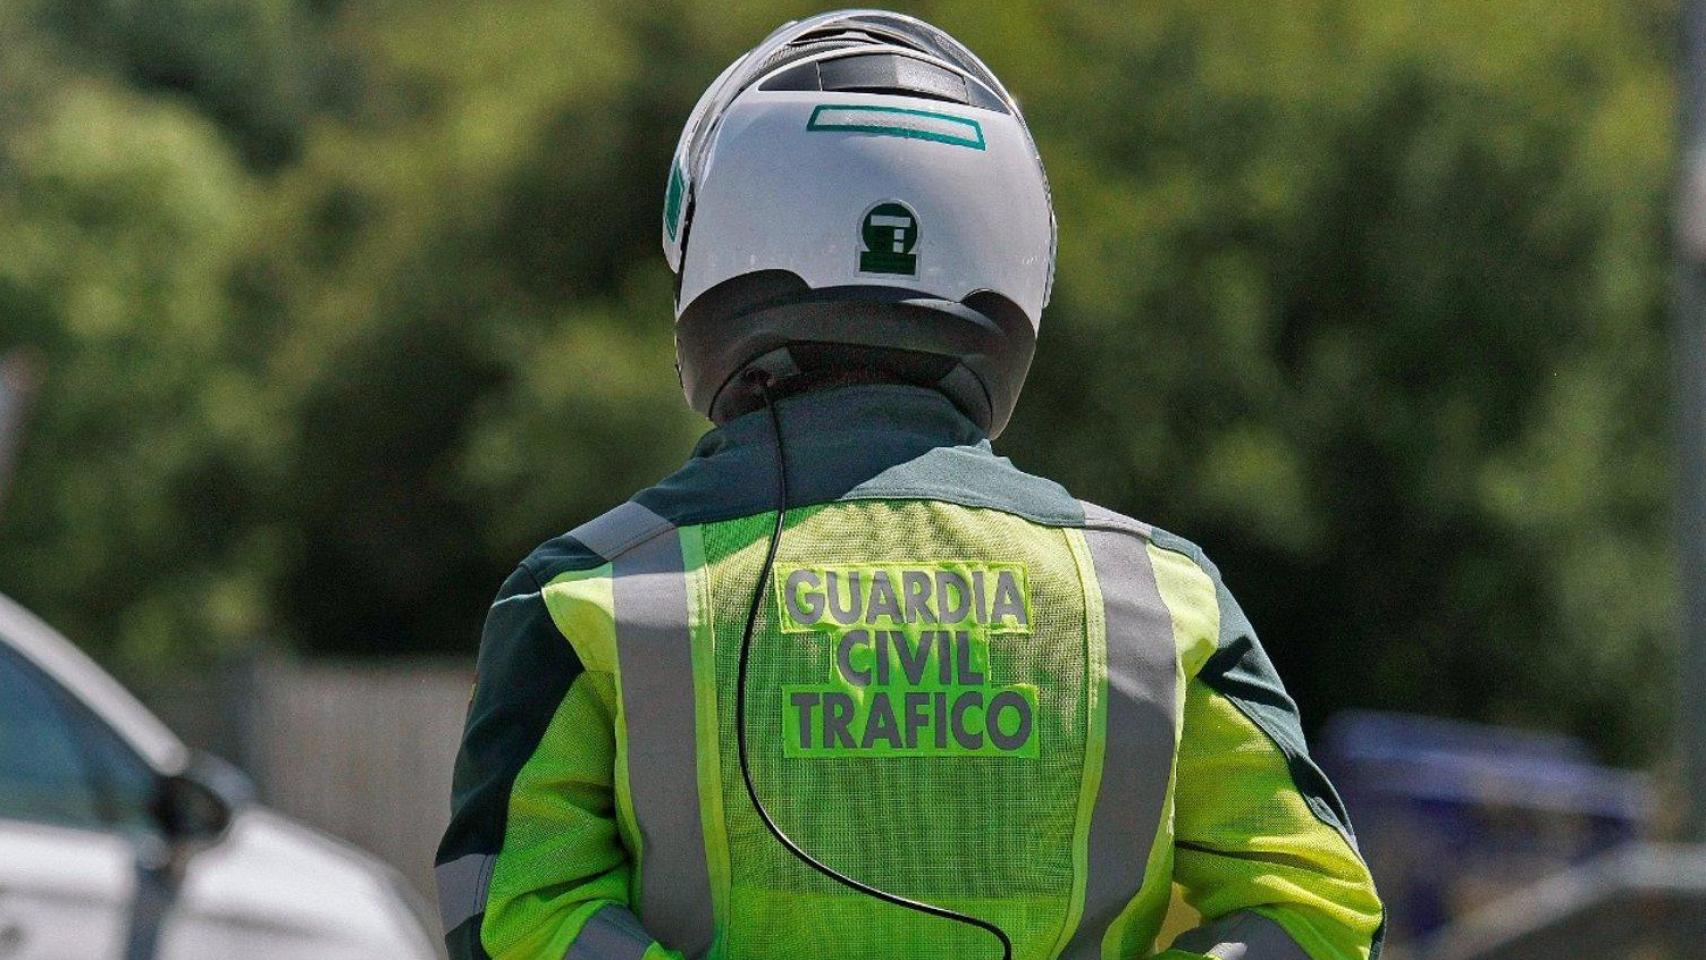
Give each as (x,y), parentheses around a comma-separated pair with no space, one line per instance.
(58,764)
(44,774)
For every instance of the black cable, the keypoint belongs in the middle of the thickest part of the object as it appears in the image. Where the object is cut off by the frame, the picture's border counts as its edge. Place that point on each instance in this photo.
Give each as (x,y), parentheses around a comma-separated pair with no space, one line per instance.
(762,384)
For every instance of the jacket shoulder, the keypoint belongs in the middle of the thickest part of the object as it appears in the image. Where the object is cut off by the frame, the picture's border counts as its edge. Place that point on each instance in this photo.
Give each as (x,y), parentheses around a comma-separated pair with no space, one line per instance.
(1101,518)
(596,542)
(1098,517)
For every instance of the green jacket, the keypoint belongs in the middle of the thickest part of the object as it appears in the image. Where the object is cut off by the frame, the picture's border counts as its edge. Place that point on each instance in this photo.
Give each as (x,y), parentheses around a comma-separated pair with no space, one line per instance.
(966,687)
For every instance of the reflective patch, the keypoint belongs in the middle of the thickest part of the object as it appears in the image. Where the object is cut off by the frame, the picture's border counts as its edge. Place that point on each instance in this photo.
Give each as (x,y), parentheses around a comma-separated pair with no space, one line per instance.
(1123,879)
(612,933)
(907,650)
(659,759)
(994,597)
(462,887)
(616,532)
(898,122)
(1245,935)
(672,199)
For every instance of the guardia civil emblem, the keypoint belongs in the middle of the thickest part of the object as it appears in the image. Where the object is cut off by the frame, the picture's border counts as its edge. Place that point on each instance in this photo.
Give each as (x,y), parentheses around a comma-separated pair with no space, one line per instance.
(888,235)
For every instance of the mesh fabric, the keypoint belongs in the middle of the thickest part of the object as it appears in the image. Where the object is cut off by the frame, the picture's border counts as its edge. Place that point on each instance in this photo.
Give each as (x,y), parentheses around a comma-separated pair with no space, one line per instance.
(560,813)
(1246,836)
(989,836)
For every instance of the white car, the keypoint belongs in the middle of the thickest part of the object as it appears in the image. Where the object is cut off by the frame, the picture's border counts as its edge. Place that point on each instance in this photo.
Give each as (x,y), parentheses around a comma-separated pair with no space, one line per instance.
(119,843)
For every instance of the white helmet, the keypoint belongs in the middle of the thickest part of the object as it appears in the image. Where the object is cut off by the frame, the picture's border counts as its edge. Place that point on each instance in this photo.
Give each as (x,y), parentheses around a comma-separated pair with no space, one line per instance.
(858,191)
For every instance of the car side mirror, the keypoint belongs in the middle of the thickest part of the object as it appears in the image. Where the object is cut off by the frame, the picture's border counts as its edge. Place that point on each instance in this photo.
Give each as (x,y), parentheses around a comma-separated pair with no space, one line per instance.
(199,803)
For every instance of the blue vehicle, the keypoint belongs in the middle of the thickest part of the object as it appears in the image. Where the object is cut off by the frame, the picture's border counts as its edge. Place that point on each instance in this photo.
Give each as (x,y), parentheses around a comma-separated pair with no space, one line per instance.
(1452,816)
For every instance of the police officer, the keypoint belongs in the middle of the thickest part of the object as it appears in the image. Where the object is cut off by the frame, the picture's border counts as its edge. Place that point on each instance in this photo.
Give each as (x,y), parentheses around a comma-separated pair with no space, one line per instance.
(848,684)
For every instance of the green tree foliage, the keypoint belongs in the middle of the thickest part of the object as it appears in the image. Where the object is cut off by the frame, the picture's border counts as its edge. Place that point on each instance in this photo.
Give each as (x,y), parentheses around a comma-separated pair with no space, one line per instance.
(345,305)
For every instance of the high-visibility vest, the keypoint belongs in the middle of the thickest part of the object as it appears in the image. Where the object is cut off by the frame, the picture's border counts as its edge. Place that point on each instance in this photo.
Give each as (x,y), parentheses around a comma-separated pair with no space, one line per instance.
(966,688)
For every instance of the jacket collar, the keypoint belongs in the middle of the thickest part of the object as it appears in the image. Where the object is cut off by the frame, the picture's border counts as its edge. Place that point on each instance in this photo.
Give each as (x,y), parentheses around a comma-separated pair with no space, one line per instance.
(837,440)
(869,425)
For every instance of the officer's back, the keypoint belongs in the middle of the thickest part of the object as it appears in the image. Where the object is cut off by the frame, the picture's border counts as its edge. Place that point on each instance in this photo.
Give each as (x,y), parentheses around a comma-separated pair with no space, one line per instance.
(848,684)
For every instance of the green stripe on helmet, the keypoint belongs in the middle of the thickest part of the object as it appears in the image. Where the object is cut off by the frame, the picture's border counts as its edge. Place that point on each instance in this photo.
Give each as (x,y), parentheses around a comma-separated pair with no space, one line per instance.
(897,122)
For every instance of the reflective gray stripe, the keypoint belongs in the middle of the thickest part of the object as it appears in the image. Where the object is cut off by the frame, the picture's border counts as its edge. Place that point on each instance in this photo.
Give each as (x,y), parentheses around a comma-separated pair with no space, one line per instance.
(1138,755)
(1104,519)
(462,886)
(1244,935)
(654,653)
(613,533)
(610,934)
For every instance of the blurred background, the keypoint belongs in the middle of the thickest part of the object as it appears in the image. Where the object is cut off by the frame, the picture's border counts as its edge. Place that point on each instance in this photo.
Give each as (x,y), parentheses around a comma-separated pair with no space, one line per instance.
(316,315)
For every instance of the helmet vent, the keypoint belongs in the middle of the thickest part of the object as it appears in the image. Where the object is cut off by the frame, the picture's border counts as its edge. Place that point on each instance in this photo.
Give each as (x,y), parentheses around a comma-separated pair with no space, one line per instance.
(885,73)
(860,35)
(799,50)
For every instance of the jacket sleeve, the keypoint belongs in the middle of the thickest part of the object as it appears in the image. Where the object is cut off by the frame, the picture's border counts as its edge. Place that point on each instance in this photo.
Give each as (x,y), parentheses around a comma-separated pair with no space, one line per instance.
(1263,848)
(532,865)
